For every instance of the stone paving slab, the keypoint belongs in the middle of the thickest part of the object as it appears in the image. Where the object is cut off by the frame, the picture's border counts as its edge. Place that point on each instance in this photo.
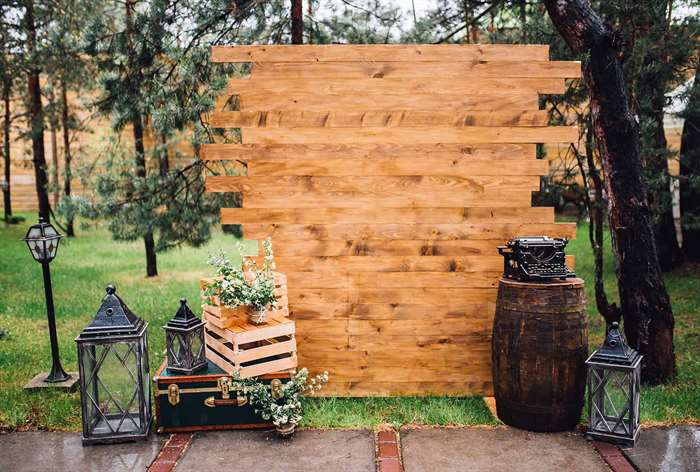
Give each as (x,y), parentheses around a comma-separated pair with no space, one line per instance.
(674,449)
(496,449)
(330,450)
(36,451)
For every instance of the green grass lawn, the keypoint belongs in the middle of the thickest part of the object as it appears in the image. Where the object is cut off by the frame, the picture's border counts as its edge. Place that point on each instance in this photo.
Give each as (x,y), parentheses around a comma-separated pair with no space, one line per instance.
(87,263)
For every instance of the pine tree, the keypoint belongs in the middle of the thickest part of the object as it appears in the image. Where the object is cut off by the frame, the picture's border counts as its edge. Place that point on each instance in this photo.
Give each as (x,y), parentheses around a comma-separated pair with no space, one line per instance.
(156,79)
(690,172)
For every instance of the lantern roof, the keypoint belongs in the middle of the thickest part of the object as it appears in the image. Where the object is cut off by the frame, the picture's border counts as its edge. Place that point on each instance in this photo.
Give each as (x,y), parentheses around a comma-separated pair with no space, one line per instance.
(113,318)
(184,318)
(614,349)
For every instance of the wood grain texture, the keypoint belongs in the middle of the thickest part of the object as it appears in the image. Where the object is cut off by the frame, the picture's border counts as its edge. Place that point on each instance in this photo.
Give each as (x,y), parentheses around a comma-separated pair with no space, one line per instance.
(264,99)
(380,52)
(350,119)
(387,215)
(393,231)
(251,152)
(387,176)
(467,134)
(517,68)
(462,166)
(378,86)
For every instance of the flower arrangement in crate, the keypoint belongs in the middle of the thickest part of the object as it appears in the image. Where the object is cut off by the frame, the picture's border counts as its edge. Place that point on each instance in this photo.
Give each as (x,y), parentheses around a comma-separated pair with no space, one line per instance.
(248,286)
(281,402)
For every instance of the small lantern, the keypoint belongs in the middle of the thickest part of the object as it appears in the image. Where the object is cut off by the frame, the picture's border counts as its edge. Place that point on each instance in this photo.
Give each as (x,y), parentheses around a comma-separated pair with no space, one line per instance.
(115,391)
(614,374)
(184,340)
(42,240)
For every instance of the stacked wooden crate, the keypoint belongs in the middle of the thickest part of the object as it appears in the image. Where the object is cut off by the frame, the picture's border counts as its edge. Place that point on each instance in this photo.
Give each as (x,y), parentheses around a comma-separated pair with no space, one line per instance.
(236,345)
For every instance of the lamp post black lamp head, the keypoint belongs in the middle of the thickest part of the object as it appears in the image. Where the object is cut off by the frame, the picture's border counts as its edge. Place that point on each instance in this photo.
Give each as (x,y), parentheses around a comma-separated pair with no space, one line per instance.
(115,391)
(184,340)
(42,240)
(614,377)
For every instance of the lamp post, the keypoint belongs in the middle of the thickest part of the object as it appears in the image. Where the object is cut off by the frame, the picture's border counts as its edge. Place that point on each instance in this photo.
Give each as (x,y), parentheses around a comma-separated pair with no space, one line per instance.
(42,240)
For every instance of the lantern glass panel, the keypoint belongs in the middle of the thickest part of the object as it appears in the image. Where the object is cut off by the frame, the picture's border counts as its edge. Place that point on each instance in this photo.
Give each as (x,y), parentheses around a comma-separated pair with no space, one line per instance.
(112,387)
(197,344)
(611,410)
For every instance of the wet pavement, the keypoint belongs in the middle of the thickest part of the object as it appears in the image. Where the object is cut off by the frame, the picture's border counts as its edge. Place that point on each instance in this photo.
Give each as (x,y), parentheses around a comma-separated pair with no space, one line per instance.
(36,451)
(674,449)
(496,449)
(331,450)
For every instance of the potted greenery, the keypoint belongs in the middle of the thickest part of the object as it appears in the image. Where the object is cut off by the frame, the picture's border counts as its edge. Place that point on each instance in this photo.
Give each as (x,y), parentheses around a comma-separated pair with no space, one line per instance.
(249,286)
(281,402)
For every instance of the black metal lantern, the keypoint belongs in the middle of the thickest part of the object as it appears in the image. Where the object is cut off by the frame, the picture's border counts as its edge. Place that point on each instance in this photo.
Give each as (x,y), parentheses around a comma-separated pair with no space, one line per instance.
(42,240)
(184,340)
(114,374)
(614,374)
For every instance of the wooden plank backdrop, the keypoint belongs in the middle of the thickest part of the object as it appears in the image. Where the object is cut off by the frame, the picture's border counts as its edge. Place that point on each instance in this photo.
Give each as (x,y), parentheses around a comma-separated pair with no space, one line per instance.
(386,176)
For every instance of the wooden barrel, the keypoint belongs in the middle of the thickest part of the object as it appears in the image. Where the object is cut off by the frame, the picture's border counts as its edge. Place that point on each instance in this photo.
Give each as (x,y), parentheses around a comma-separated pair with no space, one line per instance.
(539,349)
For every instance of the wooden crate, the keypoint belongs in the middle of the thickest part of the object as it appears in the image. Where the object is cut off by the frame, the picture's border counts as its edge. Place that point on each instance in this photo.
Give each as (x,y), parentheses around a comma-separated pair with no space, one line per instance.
(251,350)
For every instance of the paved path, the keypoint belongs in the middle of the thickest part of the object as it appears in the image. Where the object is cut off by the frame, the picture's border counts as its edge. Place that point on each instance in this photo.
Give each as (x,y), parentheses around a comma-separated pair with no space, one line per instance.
(423,450)
(496,449)
(332,451)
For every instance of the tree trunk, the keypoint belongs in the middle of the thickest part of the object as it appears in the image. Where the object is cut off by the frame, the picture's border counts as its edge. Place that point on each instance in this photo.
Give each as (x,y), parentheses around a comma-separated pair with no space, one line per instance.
(7,200)
(690,174)
(655,163)
(67,171)
(139,149)
(36,118)
(647,314)
(55,187)
(297,22)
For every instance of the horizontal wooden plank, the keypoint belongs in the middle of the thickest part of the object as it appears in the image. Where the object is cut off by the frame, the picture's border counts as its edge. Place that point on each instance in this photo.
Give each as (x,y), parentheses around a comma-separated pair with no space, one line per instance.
(390,263)
(467,134)
(386,215)
(378,86)
(426,359)
(413,389)
(423,279)
(379,52)
(411,183)
(391,118)
(408,296)
(250,152)
(267,100)
(420,342)
(408,231)
(390,311)
(404,70)
(395,247)
(463,166)
(475,372)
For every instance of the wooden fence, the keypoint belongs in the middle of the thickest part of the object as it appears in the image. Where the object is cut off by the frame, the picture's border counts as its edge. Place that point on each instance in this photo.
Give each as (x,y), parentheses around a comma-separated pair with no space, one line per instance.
(387,175)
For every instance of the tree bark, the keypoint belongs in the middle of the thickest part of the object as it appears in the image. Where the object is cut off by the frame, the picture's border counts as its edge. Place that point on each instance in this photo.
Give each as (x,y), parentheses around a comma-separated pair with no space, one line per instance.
(139,149)
(690,174)
(67,171)
(55,187)
(36,116)
(297,22)
(645,305)
(6,187)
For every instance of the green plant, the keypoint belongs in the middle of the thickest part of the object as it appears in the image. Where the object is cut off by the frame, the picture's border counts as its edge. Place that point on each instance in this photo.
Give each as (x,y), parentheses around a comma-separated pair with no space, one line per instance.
(248,285)
(280,402)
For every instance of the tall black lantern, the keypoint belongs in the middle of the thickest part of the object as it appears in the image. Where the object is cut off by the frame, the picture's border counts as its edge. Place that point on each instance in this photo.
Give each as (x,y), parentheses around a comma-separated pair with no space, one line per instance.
(184,340)
(614,374)
(114,374)
(42,240)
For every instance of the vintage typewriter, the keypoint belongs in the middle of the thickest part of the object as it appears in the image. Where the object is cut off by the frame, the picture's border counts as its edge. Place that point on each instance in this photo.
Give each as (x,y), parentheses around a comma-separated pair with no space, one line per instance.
(533,258)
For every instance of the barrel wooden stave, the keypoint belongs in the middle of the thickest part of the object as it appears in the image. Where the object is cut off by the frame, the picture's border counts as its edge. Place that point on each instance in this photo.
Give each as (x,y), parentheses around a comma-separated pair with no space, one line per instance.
(539,348)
